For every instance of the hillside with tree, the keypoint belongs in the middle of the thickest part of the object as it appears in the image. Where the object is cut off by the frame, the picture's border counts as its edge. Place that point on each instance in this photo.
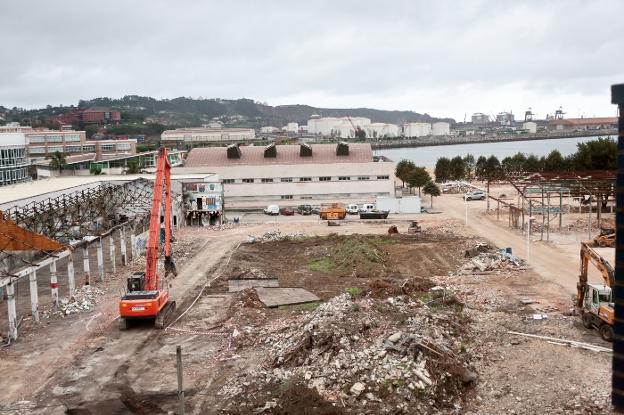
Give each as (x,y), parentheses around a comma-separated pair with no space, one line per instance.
(193,112)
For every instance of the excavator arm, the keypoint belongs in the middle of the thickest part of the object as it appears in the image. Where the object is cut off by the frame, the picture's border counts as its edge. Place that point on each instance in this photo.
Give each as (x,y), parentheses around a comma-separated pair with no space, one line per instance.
(589,255)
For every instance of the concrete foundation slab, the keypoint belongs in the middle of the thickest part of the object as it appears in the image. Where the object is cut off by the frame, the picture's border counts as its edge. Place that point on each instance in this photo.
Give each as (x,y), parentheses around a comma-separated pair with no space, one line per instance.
(274,297)
(239,285)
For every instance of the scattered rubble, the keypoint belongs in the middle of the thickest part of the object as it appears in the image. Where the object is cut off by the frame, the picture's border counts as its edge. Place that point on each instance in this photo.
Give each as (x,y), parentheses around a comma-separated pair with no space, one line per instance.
(84,299)
(357,353)
(483,259)
(274,236)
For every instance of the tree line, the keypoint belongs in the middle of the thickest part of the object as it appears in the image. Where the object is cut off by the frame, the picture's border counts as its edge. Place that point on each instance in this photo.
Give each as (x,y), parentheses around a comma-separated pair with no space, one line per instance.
(597,154)
(416,177)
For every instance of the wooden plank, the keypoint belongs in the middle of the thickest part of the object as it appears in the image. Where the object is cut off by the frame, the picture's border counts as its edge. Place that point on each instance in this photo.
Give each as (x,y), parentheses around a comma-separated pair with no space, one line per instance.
(274,297)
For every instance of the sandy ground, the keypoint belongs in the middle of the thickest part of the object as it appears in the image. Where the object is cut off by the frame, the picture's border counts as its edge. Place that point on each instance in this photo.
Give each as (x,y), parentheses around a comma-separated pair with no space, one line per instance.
(84,365)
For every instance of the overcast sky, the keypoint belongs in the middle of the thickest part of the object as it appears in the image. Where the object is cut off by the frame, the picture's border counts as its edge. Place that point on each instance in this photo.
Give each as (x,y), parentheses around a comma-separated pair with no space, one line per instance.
(435,57)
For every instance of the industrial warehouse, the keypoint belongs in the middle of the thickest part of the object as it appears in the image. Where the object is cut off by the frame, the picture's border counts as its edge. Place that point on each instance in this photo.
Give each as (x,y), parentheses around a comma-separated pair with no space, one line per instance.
(254,176)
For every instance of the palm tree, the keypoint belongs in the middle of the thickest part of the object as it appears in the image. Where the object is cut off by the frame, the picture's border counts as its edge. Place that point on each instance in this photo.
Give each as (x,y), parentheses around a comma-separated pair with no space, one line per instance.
(431,189)
(133,167)
(57,161)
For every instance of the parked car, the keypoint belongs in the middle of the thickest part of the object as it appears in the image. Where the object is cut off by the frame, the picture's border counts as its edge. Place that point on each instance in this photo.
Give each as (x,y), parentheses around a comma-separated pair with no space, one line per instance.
(353,209)
(315,211)
(367,207)
(286,211)
(304,209)
(475,195)
(272,210)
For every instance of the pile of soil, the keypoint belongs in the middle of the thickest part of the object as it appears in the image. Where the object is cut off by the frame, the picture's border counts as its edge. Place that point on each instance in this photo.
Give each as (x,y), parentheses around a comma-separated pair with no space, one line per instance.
(386,287)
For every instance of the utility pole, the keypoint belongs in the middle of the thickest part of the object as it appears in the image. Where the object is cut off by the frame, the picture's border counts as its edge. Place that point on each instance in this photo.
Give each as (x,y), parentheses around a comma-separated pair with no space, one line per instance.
(617,390)
(466,206)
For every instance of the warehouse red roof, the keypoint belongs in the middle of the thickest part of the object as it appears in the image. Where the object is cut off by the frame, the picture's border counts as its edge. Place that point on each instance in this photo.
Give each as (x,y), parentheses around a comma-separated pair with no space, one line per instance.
(286,154)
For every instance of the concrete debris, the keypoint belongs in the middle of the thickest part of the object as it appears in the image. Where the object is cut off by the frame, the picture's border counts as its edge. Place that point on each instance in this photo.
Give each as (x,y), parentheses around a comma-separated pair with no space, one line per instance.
(353,352)
(85,298)
(274,236)
(493,261)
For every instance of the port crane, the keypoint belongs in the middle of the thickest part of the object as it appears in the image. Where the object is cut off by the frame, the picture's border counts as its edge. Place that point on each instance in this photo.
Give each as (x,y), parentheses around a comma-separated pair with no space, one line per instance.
(146,297)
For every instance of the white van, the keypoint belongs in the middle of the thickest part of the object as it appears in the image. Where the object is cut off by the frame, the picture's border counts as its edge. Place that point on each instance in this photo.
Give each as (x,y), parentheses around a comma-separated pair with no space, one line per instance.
(353,209)
(368,207)
(272,210)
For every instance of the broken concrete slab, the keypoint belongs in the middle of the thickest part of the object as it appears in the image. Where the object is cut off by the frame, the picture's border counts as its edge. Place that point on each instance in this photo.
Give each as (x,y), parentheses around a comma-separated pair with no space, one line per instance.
(274,297)
(240,285)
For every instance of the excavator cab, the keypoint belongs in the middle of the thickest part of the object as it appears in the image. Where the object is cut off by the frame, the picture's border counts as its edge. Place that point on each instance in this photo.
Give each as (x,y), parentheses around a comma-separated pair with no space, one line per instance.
(598,309)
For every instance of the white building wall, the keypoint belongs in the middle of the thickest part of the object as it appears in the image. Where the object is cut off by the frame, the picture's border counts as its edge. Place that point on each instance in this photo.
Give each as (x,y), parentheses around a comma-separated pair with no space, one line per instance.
(366,182)
(530,126)
(292,127)
(441,128)
(191,135)
(417,129)
(268,129)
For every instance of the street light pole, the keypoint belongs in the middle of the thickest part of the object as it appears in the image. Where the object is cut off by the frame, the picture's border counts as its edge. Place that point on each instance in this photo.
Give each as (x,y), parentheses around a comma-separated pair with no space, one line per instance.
(466,206)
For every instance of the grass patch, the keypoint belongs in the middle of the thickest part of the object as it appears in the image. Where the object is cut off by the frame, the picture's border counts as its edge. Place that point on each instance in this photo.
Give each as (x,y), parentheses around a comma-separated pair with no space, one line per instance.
(322,265)
(354,291)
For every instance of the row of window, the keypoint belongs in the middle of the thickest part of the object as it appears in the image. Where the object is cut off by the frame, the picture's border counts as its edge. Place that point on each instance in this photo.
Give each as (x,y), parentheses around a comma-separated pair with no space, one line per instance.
(13,175)
(53,138)
(13,156)
(304,179)
(87,148)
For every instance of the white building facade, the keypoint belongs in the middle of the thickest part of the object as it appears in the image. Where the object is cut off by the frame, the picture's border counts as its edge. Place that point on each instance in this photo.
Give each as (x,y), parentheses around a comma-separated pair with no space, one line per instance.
(440,128)
(14,160)
(530,127)
(207,135)
(417,129)
(294,174)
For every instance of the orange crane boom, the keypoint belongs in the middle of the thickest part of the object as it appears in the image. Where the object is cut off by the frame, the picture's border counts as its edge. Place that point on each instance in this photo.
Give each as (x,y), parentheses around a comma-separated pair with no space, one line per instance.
(145,298)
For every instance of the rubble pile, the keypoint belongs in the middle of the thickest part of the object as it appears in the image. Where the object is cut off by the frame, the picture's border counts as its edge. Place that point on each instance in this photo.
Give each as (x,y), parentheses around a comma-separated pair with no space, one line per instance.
(359,354)
(223,227)
(484,260)
(84,299)
(274,236)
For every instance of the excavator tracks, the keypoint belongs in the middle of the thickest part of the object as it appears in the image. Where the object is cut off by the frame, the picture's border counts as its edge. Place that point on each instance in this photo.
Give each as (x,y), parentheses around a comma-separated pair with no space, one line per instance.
(164,314)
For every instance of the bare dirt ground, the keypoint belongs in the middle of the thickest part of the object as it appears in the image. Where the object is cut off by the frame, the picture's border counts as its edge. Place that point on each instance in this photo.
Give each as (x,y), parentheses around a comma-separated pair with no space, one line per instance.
(82,364)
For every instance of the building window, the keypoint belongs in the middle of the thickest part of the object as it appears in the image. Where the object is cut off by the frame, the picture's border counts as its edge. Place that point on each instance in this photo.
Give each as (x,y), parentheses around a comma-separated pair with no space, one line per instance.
(72,137)
(305,179)
(286,179)
(36,139)
(54,149)
(88,148)
(72,149)
(267,180)
(37,150)
(383,177)
(344,178)
(286,197)
(363,177)
(228,181)
(324,179)
(107,147)
(248,180)
(55,139)
(124,146)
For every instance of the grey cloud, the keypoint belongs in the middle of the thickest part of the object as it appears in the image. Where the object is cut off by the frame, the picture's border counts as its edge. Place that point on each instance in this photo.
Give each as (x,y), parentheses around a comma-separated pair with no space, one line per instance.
(441,57)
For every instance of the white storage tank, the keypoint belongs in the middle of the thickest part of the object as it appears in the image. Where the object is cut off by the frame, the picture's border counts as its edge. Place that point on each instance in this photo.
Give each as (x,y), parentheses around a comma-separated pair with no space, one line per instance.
(441,128)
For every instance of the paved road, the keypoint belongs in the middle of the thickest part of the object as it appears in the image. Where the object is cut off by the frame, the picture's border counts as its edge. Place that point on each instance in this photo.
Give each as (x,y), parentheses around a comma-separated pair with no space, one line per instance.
(551,262)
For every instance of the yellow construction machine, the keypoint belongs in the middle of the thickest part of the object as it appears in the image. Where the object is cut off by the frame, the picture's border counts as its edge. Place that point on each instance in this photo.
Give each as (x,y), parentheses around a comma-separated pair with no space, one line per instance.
(594,300)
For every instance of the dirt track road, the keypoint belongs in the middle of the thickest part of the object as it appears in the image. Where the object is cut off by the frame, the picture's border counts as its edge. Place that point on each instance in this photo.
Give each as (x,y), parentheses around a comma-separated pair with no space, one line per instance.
(553,264)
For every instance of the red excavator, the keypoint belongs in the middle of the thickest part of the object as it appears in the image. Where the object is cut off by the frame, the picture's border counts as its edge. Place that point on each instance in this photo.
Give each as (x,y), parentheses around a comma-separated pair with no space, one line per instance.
(145,297)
